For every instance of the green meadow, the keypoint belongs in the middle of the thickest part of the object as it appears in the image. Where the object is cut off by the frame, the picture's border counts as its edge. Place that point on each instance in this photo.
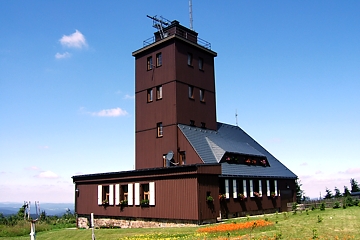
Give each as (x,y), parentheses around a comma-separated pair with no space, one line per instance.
(309,224)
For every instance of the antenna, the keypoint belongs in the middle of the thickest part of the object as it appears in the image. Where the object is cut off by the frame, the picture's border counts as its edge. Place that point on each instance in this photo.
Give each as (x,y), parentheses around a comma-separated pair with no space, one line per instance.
(160,24)
(190,13)
(236,118)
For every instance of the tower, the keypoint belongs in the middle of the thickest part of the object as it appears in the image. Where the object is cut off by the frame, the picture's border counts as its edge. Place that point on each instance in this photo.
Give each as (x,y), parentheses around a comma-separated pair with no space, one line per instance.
(174,84)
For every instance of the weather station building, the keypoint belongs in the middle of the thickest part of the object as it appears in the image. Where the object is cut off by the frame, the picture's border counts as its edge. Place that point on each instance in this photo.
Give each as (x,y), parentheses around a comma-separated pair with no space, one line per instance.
(189,168)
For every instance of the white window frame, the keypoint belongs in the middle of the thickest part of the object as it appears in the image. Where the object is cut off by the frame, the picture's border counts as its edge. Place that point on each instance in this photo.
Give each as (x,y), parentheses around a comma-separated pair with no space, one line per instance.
(227,189)
(244,188)
(276,187)
(117,194)
(137,194)
(251,188)
(260,187)
(268,193)
(152,193)
(130,194)
(100,195)
(111,194)
(234,188)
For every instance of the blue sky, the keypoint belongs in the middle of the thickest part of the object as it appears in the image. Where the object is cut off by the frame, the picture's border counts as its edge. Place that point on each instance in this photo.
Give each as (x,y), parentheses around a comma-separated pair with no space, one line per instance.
(289,68)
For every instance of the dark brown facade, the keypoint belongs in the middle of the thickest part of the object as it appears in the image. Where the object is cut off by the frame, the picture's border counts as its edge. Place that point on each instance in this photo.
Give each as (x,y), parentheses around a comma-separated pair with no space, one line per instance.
(179,194)
(175,84)
(177,65)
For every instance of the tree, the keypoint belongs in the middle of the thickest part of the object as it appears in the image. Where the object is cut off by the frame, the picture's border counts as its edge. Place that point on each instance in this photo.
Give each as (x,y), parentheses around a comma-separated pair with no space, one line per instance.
(328,194)
(299,192)
(337,193)
(354,185)
(346,191)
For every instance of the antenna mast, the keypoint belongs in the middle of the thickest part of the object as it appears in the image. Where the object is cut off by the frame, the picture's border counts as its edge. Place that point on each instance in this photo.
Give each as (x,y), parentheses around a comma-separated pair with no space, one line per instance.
(236,118)
(159,24)
(191,17)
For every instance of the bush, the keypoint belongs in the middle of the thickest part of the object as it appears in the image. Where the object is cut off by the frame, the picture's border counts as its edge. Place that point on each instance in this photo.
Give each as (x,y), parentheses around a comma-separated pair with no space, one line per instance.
(336,205)
(322,206)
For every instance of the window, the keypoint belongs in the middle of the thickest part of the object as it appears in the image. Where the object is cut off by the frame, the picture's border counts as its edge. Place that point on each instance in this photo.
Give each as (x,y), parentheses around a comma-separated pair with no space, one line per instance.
(201,64)
(149,95)
(149,63)
(235,188)
(190,58)
(251,188)
(191,92)
(106,194)
(203,125)
(202,95)
(158,92)
(158,60)
(192,123)
(227,194)
(159,127)
(182,158)
(145,194)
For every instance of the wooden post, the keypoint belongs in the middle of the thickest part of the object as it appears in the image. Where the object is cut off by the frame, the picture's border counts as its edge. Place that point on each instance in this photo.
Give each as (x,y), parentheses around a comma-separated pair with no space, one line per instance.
(92,226)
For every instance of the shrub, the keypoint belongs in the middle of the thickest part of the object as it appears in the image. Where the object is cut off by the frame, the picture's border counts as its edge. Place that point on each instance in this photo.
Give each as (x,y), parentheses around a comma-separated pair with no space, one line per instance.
(336,204)
(322,206)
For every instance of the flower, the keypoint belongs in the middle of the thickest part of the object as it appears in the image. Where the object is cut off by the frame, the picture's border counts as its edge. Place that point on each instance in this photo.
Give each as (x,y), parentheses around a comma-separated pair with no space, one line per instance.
(263,162)
(272,194)
(144,202)
(248,161)
(241,196)
(254,161)
(209,199)
(227,158)
(124,202)
(256,194)
(222,196)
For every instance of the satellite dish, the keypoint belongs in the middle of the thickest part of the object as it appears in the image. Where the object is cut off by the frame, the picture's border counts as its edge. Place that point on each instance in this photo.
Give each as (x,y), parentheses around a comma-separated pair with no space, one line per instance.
(169,155)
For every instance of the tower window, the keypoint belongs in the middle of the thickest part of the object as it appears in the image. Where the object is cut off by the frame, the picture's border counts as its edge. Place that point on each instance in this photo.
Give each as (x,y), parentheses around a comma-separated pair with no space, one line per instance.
(158,92)
(190,59)
(191,92)
(202,95)
(149,95)
(158,60)
(201,64)
(159,128)
(149,63)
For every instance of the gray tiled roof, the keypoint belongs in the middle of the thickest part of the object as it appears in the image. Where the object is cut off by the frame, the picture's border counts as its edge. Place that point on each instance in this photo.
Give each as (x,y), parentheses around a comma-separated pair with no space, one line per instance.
(212,145)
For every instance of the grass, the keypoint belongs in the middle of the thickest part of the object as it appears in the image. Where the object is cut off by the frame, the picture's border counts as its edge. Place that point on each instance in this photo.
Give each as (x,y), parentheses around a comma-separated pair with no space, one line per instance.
(329,224)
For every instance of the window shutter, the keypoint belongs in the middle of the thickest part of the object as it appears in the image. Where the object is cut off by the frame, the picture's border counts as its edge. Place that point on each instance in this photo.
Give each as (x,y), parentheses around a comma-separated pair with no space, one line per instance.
(276,190)
(251,188)
(260,188)
(268,188)
(152,193)
(117,194)
(111,194)
(130,194)
(99,194)
(227,188)
(137,193)
(234,189)
(244,188)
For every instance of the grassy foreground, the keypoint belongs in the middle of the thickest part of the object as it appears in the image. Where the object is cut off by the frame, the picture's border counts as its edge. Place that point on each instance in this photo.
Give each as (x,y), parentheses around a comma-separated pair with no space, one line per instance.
(316,224)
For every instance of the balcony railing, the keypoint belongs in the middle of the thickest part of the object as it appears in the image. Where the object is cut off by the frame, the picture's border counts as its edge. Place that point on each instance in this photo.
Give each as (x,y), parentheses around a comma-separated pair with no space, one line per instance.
(182,34)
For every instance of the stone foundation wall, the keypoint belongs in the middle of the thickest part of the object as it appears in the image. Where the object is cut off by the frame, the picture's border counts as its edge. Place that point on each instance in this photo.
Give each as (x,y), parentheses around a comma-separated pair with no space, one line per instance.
(84,222)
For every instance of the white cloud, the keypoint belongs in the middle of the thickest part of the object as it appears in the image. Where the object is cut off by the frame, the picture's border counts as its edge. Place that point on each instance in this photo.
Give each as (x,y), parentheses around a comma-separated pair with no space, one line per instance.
(115,112)
(75,40)
(127,96)
(47,174)
(63,55)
